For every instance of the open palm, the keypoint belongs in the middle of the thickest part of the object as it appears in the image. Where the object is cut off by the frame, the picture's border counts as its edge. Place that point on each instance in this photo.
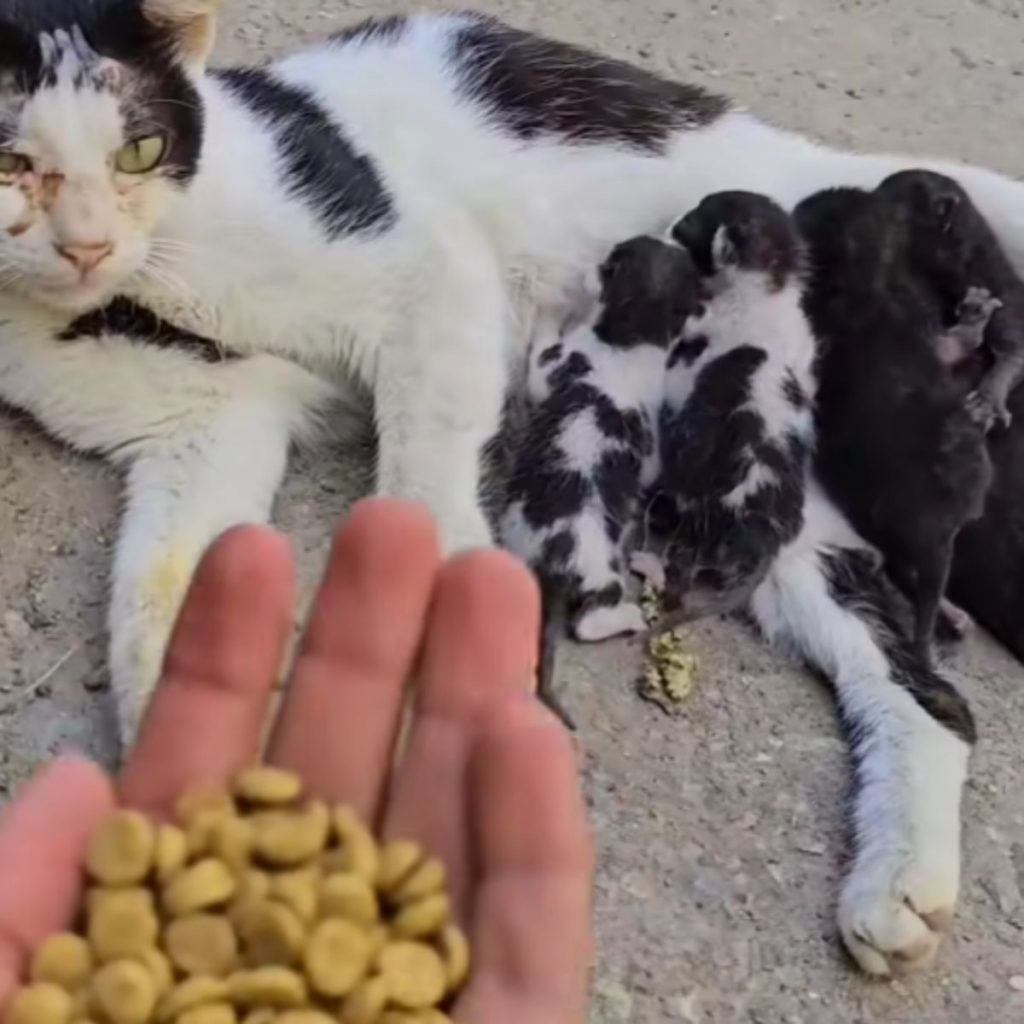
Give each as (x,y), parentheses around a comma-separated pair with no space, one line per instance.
(487,779)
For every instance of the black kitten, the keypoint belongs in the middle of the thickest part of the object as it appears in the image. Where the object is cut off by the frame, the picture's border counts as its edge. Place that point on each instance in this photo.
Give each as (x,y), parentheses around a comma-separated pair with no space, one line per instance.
(897,448)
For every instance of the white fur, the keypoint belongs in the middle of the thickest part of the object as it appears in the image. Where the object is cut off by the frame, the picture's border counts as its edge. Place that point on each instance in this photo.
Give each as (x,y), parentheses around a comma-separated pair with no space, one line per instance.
(901,891)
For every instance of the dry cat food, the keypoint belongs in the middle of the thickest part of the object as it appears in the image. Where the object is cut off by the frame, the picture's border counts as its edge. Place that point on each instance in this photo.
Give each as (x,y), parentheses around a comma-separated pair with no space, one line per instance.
(259,906)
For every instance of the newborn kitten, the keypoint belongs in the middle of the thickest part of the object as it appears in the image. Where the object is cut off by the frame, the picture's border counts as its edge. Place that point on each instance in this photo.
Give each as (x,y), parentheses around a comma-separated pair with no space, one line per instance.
(896,446)
(589,447)
(953,246)
(736,428)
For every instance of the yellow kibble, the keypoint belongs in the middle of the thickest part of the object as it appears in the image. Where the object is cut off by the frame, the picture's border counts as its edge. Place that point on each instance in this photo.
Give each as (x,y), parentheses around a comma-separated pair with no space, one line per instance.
(310,1016)
(202,944)
(350,896)
(171,851)
(203,885)
(83,1004)
(190,994)
(65,960)
(43,1003)
(290,838)
(358,851)
(121,850)
(430,1016)
(398,861)
(427,879)
(366,1003)
(266,785)
(422,919)
(204,800)
(415,974)
(124,992)
(253,885)
(268,987)
(270,933)
(260,1016)
(122,922)
(231,840)
(337,957)
(454,949)
(299,891)
(211,1013)
(159,967)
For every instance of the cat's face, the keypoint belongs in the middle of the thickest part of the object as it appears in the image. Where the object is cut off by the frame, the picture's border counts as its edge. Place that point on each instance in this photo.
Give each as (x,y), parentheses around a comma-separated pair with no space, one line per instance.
(100,125)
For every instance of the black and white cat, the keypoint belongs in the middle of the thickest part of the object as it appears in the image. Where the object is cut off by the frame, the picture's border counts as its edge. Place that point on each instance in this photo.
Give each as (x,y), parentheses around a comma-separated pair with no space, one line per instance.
(589,449)
(400,204)
(736,427)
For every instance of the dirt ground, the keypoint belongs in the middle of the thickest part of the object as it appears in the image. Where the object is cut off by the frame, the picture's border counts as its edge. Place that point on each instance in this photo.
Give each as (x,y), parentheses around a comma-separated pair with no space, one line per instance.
(721,831)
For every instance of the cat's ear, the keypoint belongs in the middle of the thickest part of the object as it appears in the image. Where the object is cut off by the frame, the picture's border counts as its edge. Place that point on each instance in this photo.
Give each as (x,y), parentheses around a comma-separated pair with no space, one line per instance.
(723,249)
(190,25)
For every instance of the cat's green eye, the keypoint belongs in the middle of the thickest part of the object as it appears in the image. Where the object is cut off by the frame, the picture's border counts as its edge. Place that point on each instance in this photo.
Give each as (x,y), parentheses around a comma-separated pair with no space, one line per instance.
(141,155)
(13,163)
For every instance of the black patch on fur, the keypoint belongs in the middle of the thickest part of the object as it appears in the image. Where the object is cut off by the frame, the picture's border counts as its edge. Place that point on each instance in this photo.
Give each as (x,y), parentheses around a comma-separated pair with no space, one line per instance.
(793,392)
(558,549)
(550,355)
(688,351)
(321,167)
(373,30)
(576,366)
(159,97)
(125,317)
(856,584)
(535,87)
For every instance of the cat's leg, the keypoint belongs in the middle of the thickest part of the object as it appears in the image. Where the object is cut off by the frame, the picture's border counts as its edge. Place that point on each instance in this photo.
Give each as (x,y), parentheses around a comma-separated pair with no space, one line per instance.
(203,447)
(439,389)
(911,735)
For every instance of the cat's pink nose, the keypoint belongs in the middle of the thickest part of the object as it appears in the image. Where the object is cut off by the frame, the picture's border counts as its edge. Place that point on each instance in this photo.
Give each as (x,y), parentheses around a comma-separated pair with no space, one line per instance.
(85,256)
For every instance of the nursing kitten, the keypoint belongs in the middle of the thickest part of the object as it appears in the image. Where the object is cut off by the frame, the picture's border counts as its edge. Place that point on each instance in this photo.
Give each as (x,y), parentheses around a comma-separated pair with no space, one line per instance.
(736,430)
(897,449)
(590,445)
(398,205)
(954,247)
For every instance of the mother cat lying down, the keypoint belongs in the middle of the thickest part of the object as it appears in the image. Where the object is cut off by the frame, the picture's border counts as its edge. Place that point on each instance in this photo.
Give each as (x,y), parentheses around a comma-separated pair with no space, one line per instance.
(404,203)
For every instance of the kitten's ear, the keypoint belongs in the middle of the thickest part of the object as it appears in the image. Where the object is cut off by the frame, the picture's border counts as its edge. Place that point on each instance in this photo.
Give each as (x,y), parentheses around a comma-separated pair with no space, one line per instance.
(945,210)
(723,249)
(191,25)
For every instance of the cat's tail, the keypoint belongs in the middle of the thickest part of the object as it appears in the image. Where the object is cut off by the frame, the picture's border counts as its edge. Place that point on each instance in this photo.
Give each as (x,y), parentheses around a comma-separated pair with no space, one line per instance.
(910,735)
(554,595)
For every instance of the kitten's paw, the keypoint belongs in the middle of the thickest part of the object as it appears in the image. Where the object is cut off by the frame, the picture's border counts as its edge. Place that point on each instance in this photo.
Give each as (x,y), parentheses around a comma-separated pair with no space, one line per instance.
(649,567)
(953,623)
(986,411)
(894,913)
(604,623)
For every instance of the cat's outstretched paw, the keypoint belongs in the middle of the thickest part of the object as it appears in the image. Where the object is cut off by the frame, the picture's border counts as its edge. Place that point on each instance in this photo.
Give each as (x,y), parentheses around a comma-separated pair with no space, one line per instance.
(893,916)
(604,623)
(649,567)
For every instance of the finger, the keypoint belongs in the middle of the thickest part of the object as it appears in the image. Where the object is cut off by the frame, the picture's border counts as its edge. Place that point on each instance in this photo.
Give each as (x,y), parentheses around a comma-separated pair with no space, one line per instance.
(43,837)
(480,652)
(339,722)
(206,718)
(531,923)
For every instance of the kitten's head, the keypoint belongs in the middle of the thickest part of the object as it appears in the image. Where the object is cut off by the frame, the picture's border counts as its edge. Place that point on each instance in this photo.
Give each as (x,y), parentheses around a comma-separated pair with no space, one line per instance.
(100,125)
(736,232)
(648,289)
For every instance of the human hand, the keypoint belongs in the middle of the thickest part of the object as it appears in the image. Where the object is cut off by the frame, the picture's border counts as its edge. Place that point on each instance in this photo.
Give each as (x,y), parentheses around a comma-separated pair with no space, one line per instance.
(488,779)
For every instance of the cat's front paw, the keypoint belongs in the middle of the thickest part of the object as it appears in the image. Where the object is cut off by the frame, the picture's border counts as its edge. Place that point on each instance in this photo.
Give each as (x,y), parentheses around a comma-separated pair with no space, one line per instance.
(649,567)
(603,623)
(895,912)
(464,531)
(987,411)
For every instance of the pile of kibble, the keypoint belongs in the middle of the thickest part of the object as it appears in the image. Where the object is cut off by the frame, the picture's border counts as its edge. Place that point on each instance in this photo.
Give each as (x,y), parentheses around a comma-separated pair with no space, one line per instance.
(259,906)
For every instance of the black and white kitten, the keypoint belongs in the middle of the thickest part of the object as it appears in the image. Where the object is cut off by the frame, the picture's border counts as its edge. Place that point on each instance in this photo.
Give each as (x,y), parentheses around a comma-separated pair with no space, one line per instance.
(736,429)
(589,449)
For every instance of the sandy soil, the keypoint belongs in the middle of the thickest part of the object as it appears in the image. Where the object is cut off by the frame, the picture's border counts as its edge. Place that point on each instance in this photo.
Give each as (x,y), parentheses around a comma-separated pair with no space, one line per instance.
(721,832)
